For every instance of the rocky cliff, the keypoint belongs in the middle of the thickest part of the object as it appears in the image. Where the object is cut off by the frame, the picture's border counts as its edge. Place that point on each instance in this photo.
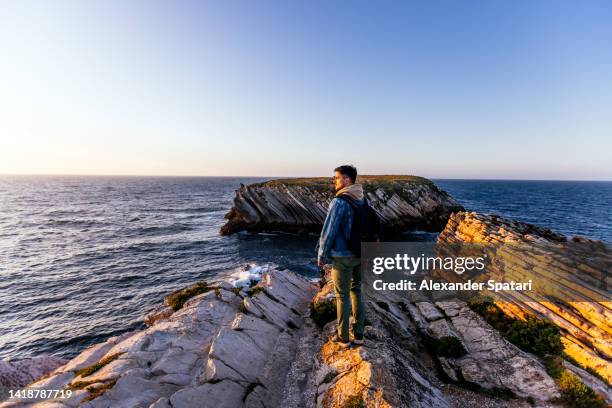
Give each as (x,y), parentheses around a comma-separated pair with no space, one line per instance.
(300,205)
(221,346)
(586,325)
(403,365)
(262,340)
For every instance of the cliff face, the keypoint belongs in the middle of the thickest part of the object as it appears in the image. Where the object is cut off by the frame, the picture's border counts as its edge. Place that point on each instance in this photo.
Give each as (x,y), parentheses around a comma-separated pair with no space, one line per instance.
(587,324)
(300,205)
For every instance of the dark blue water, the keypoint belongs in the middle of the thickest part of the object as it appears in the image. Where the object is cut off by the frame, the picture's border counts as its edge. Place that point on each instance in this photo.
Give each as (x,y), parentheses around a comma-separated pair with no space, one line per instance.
(570,207)
(83,258)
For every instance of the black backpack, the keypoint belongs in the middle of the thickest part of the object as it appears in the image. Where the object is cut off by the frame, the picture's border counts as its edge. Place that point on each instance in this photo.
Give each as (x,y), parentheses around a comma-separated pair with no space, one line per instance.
(365,227)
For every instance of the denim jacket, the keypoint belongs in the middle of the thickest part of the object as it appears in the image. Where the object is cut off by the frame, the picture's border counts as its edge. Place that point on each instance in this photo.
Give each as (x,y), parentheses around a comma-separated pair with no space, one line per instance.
(336,230)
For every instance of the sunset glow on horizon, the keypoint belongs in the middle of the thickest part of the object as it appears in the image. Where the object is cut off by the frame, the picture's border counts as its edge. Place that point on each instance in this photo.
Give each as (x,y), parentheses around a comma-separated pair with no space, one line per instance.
(516,90)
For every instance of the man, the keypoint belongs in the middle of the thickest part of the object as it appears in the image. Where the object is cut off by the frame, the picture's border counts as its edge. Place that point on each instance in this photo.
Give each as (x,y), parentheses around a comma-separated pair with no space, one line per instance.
(346,266)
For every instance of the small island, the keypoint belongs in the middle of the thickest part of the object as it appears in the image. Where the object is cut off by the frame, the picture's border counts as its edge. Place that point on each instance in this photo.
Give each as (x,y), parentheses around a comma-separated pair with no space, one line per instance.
(299,205)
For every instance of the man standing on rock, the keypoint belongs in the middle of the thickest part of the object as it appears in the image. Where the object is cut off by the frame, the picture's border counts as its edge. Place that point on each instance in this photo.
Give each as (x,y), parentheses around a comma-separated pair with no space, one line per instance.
(349,221)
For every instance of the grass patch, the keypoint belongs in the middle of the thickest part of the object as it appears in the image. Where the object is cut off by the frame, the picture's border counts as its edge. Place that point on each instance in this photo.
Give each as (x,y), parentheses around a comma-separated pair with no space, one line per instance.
(79,385)
(354,401)
(554,366)
(390,183)
(177,299)
(96,392)
(242,308)
(329,377)
(537,336)
(236,291)
(307,181)
(89,370)
(449,346)
(576,394)
(322,313)
(254,291)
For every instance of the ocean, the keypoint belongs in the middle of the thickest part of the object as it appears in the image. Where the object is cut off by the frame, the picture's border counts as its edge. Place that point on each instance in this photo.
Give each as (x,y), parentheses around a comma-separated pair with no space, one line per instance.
(84,258)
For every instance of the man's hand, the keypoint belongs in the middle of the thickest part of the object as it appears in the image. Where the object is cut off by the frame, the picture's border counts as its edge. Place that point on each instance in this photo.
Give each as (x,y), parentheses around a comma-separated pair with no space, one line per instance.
(321,262)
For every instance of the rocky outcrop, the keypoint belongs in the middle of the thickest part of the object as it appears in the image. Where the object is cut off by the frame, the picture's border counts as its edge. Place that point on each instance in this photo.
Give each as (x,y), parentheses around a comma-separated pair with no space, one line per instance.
(490,361)
(300,205)
(255,342)
(527,249)
(227,347)
(258,346)
(403,367)
(390,370)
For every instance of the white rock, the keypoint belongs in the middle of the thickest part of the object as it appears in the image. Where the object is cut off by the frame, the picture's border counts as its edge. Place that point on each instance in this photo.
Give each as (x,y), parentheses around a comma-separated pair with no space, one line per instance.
(238,351)
(131,392)
(429,310)
(225,394)
(175,361)
(440,328)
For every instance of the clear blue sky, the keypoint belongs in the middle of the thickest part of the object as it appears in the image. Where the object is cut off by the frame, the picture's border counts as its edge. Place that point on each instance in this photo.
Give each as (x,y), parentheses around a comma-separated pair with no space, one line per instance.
(471,89)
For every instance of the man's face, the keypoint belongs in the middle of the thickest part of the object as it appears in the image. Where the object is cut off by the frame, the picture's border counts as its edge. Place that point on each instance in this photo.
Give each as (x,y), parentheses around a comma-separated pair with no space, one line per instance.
(340,181)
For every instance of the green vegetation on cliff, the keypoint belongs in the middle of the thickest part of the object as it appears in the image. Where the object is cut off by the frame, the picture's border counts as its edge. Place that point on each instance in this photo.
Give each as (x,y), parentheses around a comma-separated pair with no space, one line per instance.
(95,392)
(89,370)
(322,312)
(542,338)
(574,393)
(177,299)
(537,336)
(368,182)
(449,346)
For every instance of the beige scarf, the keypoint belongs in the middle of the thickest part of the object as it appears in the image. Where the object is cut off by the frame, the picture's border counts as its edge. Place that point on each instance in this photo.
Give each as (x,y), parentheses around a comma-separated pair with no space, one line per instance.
(355,191)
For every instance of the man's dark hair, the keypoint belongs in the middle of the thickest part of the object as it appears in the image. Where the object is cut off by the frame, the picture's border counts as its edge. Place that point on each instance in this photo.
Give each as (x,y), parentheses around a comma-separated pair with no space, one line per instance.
(348,170)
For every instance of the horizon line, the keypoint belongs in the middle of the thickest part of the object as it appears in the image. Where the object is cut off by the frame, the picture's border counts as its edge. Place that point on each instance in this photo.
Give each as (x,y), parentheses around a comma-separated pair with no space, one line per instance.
(281,177)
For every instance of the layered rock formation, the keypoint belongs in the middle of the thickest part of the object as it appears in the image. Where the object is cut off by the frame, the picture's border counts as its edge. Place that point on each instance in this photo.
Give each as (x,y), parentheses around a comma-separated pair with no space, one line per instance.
(528,250)
(258,347)
(300,205)
(402,367)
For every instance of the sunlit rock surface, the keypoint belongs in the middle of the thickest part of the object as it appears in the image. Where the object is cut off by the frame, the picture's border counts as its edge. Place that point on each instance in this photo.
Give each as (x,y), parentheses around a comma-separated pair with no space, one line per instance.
(397,340)
(300,205)
(586,325)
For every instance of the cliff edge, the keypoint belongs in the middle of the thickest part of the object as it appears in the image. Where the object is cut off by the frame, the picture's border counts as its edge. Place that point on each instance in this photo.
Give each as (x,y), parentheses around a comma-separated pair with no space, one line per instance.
(266,344)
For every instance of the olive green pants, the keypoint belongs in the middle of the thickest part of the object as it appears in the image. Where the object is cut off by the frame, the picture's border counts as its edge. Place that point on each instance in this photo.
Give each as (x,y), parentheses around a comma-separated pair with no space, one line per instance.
(346,274)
